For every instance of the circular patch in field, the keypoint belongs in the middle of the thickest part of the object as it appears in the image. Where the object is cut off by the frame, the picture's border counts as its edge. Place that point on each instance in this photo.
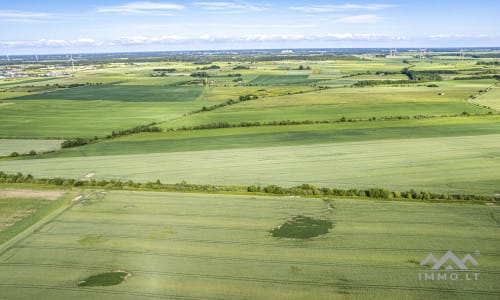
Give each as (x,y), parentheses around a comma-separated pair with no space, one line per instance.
(301,227)
(105,279)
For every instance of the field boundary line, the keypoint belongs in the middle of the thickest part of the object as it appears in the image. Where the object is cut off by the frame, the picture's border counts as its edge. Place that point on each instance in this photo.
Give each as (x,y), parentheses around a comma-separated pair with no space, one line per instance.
(34,227)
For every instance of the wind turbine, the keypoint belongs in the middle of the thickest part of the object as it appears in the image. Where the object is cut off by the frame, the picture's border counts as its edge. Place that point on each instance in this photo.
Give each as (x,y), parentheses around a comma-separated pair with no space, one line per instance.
(423,52)
(72,63)
(8,58)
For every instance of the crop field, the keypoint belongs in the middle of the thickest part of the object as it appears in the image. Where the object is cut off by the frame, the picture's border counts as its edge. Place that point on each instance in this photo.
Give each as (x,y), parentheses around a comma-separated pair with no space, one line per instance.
(66,118)
(21,208)
(130,93)
(321,112)
(446,164)
(282,79)
(350,103)
(273,136)
(7,146)
(233,129)
(490,99)
(193,246)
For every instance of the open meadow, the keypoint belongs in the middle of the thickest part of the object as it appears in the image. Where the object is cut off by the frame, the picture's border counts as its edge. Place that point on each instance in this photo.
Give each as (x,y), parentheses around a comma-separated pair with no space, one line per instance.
(195,246)
(233,130)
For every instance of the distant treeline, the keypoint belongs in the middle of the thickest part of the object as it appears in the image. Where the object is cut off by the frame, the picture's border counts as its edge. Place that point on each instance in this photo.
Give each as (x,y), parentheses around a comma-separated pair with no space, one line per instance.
(301,190)
(497,77)
(365,83)
(84,141)
(413,77)
(224,124)
(488,63)
(424,75)
(306,57)
(228,102)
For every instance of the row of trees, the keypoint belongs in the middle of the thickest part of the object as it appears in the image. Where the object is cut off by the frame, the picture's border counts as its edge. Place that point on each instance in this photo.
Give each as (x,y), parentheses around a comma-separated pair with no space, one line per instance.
(226,103)
(496,77)
(79,141)
(302,190)
(424,75)
(225,124)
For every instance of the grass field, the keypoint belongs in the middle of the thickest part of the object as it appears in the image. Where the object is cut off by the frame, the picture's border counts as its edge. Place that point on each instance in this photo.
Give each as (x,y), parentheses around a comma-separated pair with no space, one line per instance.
(124,93)
(445,164)
(272,136)
(282,80)
(67,118)
(20,208)
(490,99)
(194,246)
(439,136)
(345,102)
(8,146)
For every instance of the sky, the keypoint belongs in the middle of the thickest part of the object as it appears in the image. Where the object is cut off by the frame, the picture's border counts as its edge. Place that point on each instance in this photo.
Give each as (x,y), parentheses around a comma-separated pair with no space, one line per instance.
(62,26)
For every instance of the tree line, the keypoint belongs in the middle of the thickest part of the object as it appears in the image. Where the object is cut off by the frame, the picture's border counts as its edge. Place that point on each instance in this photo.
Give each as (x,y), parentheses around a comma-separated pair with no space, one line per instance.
(79,141)
(301,190)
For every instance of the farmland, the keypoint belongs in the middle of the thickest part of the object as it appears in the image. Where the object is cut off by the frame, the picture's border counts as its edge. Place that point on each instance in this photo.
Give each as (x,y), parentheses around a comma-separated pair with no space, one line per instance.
(111,131)
(194,246)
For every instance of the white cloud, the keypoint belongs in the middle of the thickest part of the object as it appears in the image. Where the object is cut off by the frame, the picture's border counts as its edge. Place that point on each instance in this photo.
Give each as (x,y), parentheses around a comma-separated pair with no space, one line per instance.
(142,40)
(343,7)
(186,40)
(360,19)
(460,36)
(229,6)
(14,16)
(142,8)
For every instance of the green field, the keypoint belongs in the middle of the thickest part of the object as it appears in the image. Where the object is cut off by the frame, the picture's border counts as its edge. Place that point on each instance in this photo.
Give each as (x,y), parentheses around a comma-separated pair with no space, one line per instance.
(282,80)
(125,93)
(333,104)
(193,246)
(445,164)
(490,99)
(271,136)
(360,121)
(21,208)
(7,146)
(69,118)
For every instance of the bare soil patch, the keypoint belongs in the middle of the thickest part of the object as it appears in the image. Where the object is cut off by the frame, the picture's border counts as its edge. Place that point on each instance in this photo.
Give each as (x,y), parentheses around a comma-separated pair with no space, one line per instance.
(21,193)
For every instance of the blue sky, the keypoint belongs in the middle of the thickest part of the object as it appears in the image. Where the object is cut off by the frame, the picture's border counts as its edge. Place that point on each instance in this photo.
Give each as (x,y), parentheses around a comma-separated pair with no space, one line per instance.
(51,26)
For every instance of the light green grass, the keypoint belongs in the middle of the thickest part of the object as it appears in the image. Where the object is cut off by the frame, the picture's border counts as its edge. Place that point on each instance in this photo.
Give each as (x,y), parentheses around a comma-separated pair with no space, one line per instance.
(7,146)
(246,113)
(18,214)
(490,99)
(222,249)
(269,136)
(66,118)
(12,210)
(465,164)
(343,102)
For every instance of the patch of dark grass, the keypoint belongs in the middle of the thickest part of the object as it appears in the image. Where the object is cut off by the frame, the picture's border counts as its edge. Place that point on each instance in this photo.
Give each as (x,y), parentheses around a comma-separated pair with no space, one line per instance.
(105,279)
(302,227)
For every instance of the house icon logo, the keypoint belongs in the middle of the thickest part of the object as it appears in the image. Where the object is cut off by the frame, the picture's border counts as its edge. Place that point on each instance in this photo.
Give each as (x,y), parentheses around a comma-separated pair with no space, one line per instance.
(449,267)
(450,261)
